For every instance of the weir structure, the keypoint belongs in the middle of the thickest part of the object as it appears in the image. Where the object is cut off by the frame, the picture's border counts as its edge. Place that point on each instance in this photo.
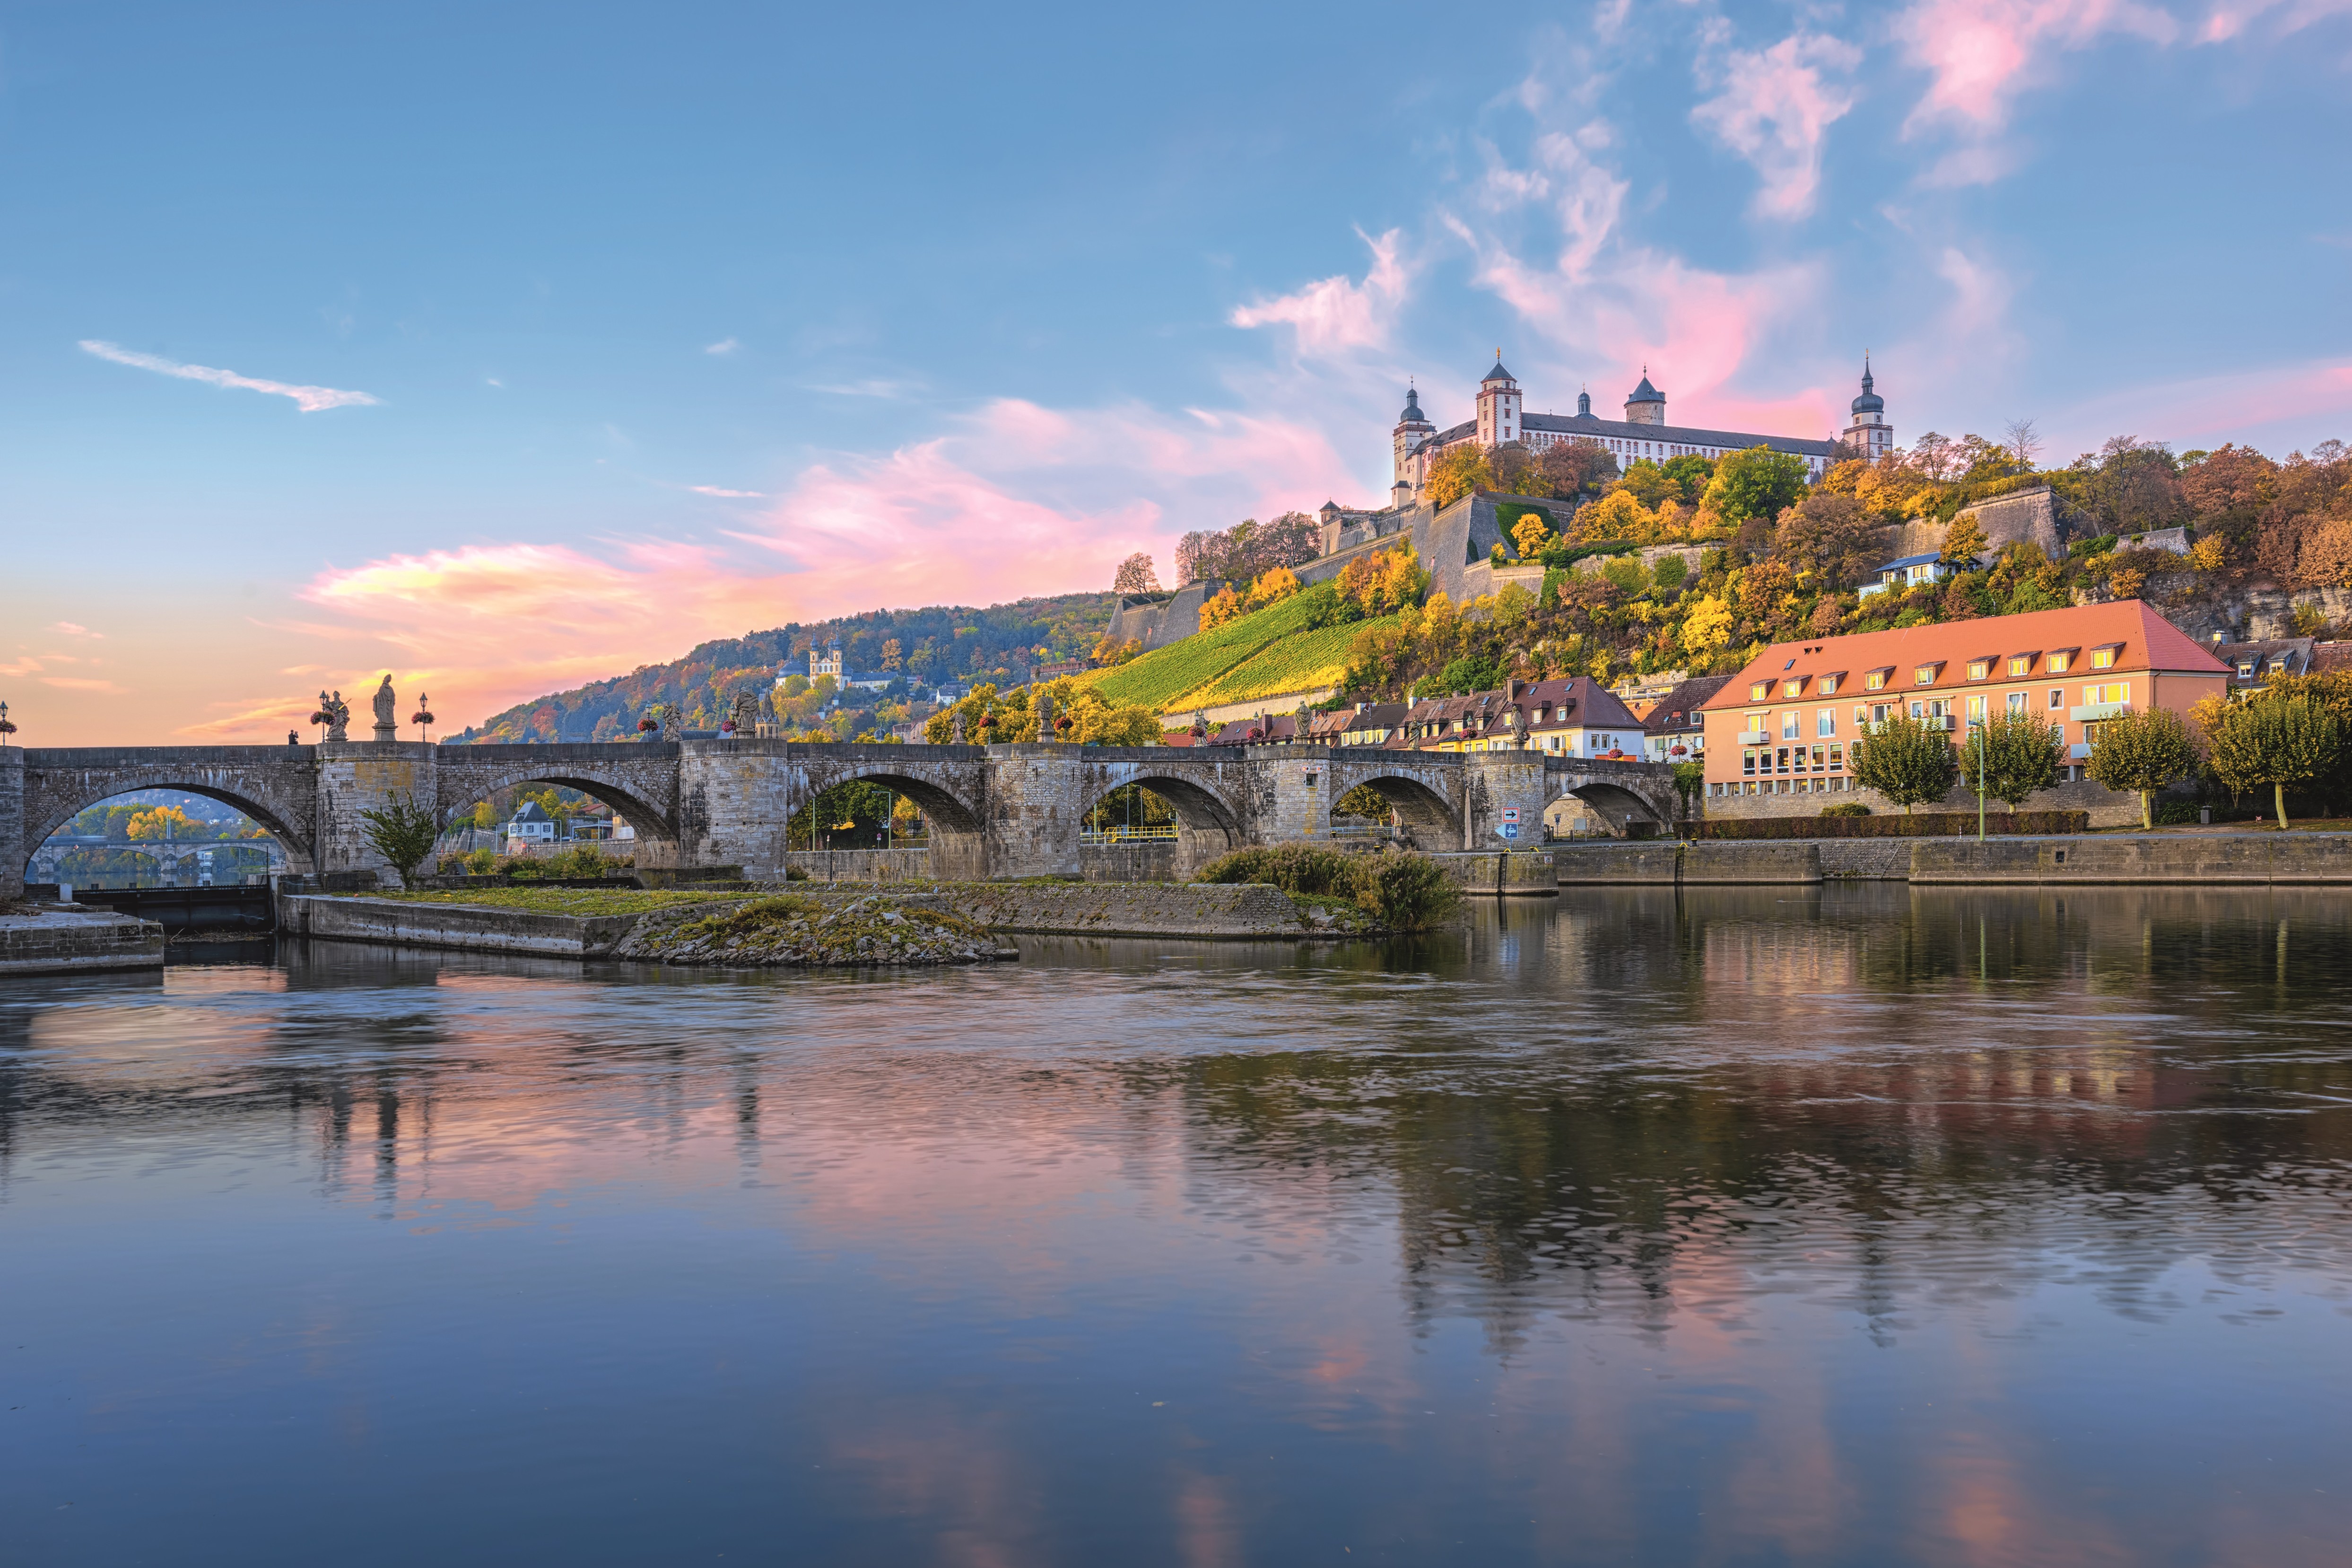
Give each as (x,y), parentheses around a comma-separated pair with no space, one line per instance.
(995,811)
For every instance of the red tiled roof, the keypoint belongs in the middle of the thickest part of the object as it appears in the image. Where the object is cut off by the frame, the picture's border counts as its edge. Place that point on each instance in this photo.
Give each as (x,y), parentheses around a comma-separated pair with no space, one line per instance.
(2147,640)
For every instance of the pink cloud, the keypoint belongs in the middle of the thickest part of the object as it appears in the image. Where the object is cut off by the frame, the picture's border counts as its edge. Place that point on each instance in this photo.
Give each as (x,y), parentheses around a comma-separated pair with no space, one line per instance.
(1980,54)
(2227,22)
(1337,314)
(1774,109)
(1021,499)
(71,683)
(2276,406)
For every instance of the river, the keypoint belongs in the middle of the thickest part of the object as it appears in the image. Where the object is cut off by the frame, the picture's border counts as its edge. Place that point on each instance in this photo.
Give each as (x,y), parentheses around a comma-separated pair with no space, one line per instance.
(1851,1226)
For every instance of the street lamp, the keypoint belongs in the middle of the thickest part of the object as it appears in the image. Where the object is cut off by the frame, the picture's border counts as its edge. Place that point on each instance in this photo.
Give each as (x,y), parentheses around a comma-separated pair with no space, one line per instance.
(6,728)
(423,717)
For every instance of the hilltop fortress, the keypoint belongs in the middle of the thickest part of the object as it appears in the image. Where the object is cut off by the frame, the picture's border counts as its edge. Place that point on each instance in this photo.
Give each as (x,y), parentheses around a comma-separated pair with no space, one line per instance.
(1456,542)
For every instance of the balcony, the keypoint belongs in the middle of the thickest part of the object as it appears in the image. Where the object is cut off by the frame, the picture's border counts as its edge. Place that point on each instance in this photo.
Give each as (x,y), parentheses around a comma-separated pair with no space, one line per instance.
(1943,722)
(1753,738)
(2091,712)
(2079,750)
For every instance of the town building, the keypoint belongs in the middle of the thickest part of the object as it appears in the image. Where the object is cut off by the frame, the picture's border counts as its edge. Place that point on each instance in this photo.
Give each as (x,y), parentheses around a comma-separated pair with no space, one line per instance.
(1781,732)
(1675,729)
(1576,717)
(827,660)
(533,825)
(1901,576)
(2252,663)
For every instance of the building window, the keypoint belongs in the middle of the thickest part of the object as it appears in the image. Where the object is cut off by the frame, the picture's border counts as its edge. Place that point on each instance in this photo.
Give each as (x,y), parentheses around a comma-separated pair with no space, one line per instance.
(1837,760)
(2022,664)
(1760,691)
(1875,680)
(2057,697)
(2113,691)
(2017,704)
(1976,710)
(1789,726)
(2058,662)
(2102,659)
(1924,676)
(1825,722)
(1979,669)
(1781,765)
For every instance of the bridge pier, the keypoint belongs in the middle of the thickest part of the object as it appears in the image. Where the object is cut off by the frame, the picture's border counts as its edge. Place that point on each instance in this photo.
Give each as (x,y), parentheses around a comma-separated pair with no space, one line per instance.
(357,776)
(13,847)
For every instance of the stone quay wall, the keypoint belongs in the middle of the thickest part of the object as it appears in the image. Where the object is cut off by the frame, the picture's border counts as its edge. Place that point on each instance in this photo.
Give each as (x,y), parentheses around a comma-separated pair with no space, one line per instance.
(65,939)
(2217,859)
(1730,863)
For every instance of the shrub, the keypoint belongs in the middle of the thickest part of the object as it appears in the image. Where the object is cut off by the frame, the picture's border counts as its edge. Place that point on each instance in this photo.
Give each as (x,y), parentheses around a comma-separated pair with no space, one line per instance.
(2172,813)
(482,862)
(1398,889)
(1846,808)
(1405,891)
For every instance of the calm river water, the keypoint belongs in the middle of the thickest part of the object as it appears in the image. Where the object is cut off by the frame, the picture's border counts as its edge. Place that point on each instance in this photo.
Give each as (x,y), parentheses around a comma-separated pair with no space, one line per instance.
(1859,1227)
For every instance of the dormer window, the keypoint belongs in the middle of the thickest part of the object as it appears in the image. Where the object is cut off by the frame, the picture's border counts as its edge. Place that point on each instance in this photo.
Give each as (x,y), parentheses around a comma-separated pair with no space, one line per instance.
(2062,659)
(1793,686)
(1760,691)
(1876,679)
(1981,668)
(2023,663)
(1924,675)
(2103,656)
(1829,682)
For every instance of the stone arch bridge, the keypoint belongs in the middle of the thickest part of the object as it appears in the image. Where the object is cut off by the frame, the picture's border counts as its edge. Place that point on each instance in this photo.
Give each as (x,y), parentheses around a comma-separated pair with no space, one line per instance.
(995,811)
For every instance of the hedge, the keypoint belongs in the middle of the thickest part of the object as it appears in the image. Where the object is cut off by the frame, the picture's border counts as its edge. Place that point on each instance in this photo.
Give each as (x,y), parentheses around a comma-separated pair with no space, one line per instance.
(1935,825)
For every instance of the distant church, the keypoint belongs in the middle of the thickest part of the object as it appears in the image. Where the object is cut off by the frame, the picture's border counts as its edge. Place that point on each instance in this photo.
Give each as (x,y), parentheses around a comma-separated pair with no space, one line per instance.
(1642,433)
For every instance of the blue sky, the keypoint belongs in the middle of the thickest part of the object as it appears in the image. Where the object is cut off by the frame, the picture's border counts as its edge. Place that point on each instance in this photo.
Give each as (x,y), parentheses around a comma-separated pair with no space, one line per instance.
(672,325)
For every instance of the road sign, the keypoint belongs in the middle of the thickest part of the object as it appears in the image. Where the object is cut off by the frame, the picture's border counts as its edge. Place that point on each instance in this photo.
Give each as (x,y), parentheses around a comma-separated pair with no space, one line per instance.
(1510,813)
(1510,830)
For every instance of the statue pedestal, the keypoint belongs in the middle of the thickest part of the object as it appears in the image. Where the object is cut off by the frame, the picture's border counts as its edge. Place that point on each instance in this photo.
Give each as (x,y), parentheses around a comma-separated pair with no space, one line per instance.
(385,734)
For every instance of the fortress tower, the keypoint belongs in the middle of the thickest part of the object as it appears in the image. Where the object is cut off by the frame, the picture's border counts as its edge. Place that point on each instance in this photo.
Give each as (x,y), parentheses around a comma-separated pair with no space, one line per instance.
(1870,435)
(1498,406)
(1647,405)
(1412,428)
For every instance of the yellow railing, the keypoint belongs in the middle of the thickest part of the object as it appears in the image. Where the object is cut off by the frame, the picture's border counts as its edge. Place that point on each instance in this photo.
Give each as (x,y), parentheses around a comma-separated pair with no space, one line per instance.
(1128,835)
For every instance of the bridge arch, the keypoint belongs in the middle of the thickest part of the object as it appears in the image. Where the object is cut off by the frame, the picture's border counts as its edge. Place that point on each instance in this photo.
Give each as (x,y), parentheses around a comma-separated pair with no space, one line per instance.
(1427,814)
(54,797)
(958,828)
(1207,826)
(648,802)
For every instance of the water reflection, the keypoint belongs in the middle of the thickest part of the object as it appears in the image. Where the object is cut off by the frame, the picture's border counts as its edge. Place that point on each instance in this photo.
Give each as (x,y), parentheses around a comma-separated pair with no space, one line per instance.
(1841,1225)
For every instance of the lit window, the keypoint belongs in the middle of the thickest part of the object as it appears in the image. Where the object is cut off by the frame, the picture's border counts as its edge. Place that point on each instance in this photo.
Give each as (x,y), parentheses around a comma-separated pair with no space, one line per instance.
(1788,726)
(1980,668)
(1976,710)
(1758,691)
(1924,675)
(1875,680)
(1825,722)
(2020,664)
(2016,704)
(2102,659)
(2060,662)
(1793,688)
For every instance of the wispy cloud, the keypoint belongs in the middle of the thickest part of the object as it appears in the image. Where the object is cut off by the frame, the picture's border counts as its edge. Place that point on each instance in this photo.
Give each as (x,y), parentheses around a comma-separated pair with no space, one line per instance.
(72,630)
(1774,108)
(723,347)
(309,399)
(874,387)
(1980,54)
(76,683)
(729,495)
(1337,314)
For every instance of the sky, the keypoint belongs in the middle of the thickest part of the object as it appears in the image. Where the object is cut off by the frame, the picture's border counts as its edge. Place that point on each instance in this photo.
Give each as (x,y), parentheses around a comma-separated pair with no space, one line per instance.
(503,349)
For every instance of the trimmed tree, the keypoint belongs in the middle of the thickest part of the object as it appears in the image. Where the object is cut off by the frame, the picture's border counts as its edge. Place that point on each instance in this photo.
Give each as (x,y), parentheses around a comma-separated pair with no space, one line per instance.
(2020,755)
(1690,783)
(2273,740)
(1905,762)
(2142,752)
(403,832)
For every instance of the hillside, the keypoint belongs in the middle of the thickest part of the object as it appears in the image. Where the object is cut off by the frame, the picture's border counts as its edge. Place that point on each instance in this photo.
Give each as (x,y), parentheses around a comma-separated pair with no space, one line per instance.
(1277,649)
(938,643)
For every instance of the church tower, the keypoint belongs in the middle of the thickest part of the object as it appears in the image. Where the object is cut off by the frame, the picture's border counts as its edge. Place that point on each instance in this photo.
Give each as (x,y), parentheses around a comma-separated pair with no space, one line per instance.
(1647,405)
(1412,428)
(1870,435)
(1498,407)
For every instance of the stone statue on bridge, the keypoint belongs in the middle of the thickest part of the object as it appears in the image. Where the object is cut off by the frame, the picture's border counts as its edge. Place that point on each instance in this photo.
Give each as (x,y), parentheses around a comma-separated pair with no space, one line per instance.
(1044,714)
(386,706)
(957,728)
(335,714)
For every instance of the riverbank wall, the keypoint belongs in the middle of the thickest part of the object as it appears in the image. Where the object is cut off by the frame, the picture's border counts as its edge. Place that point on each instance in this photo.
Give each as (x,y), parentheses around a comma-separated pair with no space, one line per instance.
(2221,860)
(68,938)
(1701,862)
(464,928)
(1506,873)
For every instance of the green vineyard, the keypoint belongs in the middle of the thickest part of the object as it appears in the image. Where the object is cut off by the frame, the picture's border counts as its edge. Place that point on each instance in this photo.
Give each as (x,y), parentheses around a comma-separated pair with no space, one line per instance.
(1165,676)
(1300,663)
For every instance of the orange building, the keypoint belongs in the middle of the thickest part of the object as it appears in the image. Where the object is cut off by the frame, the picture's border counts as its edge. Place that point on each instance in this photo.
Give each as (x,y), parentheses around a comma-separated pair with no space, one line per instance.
(1782,725)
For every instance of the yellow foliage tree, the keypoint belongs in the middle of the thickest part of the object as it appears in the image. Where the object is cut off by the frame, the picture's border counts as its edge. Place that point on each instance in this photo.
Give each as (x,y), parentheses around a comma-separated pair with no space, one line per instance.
(1529,533)
(2209,554)
(1224,606)
(1384,584)
(1616,515)
(1706,629)
(1272,587)
(1459,469)
(163,822)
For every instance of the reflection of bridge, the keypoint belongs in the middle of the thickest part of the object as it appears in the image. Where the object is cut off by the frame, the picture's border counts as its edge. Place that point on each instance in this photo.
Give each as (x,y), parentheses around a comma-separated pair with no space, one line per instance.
(995,811)
(176,859)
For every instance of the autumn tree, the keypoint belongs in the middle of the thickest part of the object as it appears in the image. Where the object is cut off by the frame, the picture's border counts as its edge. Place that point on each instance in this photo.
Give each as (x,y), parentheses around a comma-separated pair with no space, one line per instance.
(1963,541)
(1458,470)
(1134,575)
(1758,482)
(2273,740)
(1517,471)
(1905,762)
(1577,467)
(2144,751)
(1829,537)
